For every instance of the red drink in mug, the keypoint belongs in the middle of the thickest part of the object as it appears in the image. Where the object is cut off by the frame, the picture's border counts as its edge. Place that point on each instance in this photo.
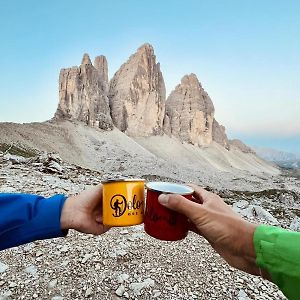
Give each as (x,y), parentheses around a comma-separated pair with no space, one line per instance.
(161,222)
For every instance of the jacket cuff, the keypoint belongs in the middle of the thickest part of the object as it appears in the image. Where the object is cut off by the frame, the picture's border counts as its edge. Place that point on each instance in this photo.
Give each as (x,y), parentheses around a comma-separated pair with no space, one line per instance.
(264,242)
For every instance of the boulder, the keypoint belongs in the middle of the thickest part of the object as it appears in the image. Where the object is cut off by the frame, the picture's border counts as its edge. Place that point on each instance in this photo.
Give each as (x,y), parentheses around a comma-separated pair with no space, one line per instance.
(254,212)
(15,159)
(295,224)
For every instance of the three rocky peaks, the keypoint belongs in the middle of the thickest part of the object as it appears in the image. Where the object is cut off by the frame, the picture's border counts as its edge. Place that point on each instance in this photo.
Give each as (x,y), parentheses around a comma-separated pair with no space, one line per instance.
(134,100)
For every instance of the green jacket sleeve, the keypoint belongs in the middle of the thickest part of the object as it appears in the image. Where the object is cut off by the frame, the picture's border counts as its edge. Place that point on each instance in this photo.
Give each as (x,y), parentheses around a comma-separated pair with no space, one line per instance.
(278,251)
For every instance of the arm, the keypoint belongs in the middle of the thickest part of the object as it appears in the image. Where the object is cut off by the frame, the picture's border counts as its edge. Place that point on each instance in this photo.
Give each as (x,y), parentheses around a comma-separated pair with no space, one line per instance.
(25,218)
(229,234)
(270,252)
(278,251)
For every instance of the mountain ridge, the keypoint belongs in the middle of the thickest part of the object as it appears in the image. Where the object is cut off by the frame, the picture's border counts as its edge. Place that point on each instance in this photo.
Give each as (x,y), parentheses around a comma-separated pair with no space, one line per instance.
(134,100)
(272,154)
(127,124)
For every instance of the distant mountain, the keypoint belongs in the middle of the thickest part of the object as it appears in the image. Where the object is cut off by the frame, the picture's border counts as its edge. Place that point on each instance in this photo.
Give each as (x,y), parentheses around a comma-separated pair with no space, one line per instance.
(281,158)
(290,164)
(274,155)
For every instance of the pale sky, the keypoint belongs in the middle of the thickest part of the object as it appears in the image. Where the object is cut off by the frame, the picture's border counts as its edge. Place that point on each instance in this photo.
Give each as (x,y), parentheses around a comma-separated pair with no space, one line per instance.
(246,54)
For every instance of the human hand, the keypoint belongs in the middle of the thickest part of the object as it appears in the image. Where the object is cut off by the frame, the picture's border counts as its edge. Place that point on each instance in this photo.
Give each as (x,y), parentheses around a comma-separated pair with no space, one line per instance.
(83,212)
(229,234)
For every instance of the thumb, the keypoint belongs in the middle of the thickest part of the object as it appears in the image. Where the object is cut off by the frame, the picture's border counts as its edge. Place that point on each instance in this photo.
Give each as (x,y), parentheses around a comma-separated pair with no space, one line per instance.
(181,204)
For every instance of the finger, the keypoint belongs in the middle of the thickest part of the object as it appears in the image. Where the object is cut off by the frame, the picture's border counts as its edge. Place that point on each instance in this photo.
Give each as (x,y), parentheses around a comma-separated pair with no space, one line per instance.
(105,228)
(195,199)
(200,194)
(192,227)
(100,228)
(181,205)
(99,219)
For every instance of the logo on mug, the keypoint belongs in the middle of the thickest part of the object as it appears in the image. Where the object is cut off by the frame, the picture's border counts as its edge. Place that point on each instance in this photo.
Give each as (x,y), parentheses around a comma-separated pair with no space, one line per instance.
(120,204)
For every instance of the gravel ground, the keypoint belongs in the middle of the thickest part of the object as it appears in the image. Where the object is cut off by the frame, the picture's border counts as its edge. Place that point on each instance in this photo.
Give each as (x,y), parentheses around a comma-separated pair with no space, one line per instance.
(124,263)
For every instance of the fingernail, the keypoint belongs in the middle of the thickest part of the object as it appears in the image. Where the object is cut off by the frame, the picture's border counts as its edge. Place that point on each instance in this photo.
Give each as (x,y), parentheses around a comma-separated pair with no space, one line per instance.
(163,199)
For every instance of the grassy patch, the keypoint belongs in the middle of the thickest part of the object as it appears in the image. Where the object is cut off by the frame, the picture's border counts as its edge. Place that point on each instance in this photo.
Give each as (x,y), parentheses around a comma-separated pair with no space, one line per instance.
(18,150)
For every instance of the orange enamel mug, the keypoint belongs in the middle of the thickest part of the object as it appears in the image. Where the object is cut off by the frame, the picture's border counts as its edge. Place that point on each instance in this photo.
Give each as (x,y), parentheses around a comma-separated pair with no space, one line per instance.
(123,202)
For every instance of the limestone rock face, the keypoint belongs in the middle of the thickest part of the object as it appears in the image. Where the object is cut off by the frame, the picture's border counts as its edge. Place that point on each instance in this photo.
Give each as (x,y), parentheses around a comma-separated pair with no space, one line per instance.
(241,146)
(86,59)
(83,94)
(190,112)
(137,95)
(100,64)
(135,101)
(219,135)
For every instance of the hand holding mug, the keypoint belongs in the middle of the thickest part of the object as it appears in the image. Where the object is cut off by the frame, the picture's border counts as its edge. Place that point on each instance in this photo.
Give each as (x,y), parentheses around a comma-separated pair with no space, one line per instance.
(229,234)
(83,212)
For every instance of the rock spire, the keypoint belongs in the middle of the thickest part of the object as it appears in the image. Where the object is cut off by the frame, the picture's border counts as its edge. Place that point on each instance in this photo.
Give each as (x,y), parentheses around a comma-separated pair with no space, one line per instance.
(189,112)
(137,95)
(83,94)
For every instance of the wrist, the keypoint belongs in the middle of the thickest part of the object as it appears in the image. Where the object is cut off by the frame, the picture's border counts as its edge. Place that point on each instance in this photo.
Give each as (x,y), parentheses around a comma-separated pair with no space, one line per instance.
(248,249)
(66,217)
(247,244)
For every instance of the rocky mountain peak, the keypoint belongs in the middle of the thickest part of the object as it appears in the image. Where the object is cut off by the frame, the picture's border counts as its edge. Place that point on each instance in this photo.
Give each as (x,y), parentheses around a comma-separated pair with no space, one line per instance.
(189,112)
(83,95)
(100,64)
(137,94)
(86,59)
(146,48)
(190,115)
(135,101)
(190,80)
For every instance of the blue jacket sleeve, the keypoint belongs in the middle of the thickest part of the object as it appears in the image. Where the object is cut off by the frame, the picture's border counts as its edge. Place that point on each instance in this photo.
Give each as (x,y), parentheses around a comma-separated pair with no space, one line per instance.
(25,218)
